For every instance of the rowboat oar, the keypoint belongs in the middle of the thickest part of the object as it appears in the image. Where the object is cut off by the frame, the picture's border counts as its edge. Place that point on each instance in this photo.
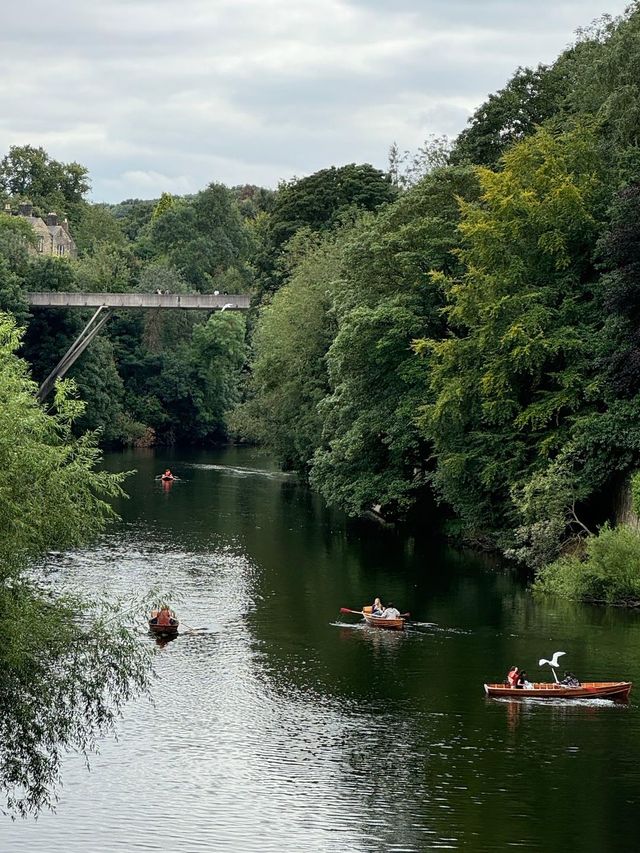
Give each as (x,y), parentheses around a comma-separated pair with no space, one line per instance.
(191,628)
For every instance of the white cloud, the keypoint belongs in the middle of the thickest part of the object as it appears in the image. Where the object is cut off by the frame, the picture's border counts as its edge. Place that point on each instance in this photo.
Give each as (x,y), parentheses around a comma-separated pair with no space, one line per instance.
(159,95)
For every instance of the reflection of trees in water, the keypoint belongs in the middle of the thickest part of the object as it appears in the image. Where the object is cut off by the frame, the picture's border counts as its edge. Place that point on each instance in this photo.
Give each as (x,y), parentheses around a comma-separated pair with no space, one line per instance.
(65,680)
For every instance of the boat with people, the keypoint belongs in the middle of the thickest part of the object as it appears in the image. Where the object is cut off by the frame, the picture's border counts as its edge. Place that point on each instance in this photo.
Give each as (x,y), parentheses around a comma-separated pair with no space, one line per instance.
(163,622)
(616,690)
(388,618)
(382,621)
(517,685)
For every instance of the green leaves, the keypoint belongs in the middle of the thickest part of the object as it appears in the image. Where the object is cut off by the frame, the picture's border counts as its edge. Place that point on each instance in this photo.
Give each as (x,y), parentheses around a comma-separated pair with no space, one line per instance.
(51,495)
(525,322)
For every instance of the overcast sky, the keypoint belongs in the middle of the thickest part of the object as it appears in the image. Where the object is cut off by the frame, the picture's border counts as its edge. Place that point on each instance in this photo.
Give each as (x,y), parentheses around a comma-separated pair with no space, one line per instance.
(172,94)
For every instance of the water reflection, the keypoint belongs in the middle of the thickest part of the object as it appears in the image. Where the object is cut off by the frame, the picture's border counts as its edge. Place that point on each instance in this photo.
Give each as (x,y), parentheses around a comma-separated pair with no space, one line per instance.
(66,676)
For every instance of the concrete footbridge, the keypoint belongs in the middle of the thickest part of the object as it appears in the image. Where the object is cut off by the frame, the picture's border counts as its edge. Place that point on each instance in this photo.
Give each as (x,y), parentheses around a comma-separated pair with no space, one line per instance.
(189,301)
(105,303)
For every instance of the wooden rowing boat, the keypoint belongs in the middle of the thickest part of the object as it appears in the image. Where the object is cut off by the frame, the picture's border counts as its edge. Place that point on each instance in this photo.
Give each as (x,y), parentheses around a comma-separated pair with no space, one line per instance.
(617,690)
(163,630)
(379,622)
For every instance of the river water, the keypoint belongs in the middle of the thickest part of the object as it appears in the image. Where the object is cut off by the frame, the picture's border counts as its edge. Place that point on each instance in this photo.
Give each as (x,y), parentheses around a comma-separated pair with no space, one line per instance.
(284,726)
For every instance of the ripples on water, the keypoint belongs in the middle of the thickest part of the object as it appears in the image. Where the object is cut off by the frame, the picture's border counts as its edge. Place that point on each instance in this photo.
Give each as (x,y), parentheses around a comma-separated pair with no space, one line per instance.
(280,727)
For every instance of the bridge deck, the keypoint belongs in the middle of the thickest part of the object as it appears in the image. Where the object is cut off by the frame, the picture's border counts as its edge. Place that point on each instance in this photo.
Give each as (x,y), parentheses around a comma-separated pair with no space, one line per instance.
(202,301)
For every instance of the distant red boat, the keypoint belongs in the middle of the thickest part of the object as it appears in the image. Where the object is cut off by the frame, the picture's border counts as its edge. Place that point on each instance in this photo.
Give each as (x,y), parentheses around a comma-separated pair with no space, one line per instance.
(616,690)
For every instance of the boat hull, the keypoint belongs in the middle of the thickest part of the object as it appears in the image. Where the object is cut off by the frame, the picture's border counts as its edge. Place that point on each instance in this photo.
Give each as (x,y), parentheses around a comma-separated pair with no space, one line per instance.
(616,690)
(164,630)
(386,624)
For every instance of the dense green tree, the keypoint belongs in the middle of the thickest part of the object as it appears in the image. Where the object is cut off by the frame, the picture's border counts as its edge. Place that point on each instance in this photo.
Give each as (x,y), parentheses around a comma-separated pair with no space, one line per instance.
(372,452)
(30,173)
(605,83)
(620,254)
(165,202)
(96,225)
(253,200)
(319,202)
(530,98)
(51,494)
(519,366)
(200,380)
(133,216)
(203,237)
(16,236)
(290,342)
(107,268)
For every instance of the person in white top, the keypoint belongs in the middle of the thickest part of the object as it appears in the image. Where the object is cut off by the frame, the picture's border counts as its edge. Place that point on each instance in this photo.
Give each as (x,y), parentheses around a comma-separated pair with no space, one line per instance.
(390,612)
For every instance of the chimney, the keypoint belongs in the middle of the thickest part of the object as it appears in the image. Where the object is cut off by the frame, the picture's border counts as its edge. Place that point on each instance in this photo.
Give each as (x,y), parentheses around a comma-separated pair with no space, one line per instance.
(25,210)
(52,218)
(65,224)
(7,209)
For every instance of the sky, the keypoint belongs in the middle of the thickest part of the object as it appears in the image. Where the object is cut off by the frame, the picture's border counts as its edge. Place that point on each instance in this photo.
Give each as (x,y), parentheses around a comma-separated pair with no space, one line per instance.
(169,95)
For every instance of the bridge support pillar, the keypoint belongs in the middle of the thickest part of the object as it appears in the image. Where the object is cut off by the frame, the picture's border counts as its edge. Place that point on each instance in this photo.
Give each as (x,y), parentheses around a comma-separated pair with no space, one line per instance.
(74,352)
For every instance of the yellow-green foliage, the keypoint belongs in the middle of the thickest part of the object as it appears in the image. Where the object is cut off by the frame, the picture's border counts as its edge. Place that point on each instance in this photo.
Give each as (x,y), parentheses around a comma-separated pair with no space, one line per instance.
(635,493)
(522,322)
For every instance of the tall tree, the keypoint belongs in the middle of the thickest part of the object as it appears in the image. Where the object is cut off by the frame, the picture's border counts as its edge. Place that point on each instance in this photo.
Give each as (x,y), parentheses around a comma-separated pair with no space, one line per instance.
(319,202)
(508,382)
(29,172)
(290,342)
(203,237)
(372,452)
(532,96)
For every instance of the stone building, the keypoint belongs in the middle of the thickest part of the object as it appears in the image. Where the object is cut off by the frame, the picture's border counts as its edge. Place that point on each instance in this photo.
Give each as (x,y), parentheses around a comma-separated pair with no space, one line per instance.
(52,237)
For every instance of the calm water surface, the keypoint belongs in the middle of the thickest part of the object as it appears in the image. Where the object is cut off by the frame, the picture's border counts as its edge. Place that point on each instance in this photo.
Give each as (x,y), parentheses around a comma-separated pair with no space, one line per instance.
(286,727)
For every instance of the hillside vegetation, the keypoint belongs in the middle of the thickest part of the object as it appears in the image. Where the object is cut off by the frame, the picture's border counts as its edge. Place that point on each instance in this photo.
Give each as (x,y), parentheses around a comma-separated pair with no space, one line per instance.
(464,327)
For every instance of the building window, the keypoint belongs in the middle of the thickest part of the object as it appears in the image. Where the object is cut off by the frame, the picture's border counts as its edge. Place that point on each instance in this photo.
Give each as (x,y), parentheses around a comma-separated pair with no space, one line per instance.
(41,244)
(60,249)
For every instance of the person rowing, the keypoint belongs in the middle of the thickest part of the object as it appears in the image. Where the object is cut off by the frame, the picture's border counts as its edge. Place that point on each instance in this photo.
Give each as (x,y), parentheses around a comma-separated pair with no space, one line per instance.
(168,475)
(164,617)
(390,612)
(512,676)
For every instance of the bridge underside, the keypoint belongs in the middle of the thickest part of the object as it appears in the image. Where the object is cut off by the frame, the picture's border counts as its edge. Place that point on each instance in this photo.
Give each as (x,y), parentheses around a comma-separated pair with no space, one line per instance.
(104,303)
(189,301)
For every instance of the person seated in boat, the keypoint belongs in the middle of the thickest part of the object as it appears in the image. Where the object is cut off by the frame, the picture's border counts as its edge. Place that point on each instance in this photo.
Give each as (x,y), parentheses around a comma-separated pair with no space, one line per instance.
(376,608)
(166,617)
(570,680)
(512,677)
(390,612)
(522,682)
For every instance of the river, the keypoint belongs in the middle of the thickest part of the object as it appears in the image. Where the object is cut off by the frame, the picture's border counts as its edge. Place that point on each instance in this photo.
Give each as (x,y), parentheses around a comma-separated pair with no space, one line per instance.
(285,726)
